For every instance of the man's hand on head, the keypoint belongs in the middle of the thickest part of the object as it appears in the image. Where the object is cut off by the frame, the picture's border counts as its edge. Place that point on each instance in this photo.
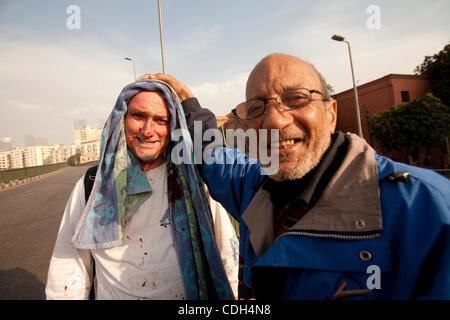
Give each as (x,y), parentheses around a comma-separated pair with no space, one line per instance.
(182,91)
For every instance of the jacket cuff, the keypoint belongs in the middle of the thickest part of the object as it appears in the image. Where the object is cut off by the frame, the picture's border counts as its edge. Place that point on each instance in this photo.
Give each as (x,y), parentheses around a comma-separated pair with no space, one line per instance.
(190,104)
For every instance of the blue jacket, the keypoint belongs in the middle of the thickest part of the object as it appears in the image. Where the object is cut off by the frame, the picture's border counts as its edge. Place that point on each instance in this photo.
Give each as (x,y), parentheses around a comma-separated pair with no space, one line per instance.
(390,239)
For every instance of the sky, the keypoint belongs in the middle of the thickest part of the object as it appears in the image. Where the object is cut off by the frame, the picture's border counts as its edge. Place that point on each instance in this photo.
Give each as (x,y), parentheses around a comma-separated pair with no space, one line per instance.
(54,70)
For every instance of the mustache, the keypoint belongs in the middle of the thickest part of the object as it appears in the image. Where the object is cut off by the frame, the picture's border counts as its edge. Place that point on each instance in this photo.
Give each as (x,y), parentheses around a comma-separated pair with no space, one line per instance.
(289,133)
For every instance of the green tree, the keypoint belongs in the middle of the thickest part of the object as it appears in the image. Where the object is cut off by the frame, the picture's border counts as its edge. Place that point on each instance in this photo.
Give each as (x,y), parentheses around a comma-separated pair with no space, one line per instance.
(438,68)
(411,128)
(74,160)
(330,89)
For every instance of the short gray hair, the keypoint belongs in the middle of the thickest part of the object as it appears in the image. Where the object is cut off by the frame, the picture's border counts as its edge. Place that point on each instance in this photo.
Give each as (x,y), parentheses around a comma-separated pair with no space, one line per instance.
(323,83)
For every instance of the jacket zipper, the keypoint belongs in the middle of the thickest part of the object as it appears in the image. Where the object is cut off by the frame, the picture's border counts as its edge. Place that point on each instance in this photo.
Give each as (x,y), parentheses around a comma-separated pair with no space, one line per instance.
(330,235)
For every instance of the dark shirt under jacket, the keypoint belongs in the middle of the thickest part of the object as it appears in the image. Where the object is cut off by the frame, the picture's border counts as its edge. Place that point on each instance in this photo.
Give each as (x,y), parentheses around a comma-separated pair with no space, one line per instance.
(292,199)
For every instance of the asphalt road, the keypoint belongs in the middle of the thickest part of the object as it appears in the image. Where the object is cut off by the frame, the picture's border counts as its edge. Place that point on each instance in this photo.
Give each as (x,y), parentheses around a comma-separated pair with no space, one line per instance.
(30,216)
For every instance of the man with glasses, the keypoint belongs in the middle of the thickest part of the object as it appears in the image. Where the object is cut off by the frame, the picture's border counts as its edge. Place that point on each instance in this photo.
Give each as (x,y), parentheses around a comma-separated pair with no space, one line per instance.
(337,220)
(294,165)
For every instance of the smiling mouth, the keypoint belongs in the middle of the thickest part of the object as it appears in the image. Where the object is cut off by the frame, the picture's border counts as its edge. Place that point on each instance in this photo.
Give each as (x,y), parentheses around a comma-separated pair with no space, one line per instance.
(283,144)
(146,142)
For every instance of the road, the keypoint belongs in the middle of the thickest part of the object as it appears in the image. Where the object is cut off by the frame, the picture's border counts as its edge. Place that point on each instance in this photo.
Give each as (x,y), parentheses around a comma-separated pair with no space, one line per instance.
(30,216)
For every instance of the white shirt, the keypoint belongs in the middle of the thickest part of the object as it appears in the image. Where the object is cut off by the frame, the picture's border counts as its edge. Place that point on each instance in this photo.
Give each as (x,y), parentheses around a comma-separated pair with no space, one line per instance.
(144,266)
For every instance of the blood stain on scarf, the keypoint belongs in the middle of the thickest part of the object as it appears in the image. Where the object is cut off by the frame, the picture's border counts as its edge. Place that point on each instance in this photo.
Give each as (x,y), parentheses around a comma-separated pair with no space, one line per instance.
(175,190)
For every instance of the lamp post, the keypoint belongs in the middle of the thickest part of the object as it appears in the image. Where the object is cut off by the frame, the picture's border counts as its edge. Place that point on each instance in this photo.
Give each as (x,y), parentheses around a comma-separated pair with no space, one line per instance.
(134,66)
(161,37)
(358,118)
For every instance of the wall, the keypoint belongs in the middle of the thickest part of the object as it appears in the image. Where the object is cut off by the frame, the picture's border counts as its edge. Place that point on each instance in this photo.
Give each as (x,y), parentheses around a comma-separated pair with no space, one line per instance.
(9,175)
(375,97)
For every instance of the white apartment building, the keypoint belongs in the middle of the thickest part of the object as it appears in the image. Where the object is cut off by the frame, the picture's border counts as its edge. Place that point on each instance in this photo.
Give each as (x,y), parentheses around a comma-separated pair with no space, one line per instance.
(88,141)
(16,158)
(48,154)
(36,156)
(4,160)
(90,147)
(89,151)
(62,152)
(33,156)
(87,134)
(58,153)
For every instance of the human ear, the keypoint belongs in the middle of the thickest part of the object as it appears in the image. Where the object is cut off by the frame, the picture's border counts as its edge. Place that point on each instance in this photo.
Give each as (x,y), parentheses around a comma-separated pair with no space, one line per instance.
(332,115)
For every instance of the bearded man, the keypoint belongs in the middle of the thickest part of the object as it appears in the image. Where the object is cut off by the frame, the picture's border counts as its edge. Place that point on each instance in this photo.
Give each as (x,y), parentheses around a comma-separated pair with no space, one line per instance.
(337,220)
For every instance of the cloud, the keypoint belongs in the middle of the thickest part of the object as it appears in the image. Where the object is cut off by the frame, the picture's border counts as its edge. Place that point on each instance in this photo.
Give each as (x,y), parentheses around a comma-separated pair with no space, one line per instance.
(380,57)
(46,84)
(397,47)
(50,77)
(222,96)
(190,46)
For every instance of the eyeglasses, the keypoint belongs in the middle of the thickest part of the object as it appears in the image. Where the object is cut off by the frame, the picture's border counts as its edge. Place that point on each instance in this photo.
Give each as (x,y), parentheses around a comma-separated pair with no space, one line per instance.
(291,99)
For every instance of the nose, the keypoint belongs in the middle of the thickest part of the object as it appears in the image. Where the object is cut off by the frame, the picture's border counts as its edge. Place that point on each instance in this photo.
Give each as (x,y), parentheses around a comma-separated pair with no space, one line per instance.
(148,128)
(275,118)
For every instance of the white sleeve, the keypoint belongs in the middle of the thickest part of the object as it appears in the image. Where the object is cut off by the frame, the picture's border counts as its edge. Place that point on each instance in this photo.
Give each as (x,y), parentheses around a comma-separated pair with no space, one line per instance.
(227,243)
(70,272)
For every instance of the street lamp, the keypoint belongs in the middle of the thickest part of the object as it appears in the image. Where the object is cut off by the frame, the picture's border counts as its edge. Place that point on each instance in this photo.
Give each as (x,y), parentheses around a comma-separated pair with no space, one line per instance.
(134,66)
(358,118)
(161,37)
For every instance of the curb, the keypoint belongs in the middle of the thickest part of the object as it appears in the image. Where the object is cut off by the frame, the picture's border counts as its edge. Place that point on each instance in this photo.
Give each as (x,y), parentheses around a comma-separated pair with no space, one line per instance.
(17,182)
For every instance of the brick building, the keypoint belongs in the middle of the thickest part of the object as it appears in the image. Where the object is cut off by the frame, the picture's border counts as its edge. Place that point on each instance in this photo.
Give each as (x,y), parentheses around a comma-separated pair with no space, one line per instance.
(377,96)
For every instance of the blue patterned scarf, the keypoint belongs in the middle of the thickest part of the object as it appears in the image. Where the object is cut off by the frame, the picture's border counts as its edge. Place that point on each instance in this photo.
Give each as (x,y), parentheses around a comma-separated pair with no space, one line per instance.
(121,186)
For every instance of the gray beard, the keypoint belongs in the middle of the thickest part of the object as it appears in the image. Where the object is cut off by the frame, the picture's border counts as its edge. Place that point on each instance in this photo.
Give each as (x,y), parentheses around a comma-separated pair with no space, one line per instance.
(145,157)
(150,157)
(307,163)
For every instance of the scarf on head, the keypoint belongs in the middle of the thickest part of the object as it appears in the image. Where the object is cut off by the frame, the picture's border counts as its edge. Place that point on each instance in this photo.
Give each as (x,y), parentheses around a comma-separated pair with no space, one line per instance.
(121,186)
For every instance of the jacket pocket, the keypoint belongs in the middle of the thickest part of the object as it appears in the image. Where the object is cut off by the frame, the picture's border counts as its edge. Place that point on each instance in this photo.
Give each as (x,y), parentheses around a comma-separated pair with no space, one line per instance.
(326,268)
